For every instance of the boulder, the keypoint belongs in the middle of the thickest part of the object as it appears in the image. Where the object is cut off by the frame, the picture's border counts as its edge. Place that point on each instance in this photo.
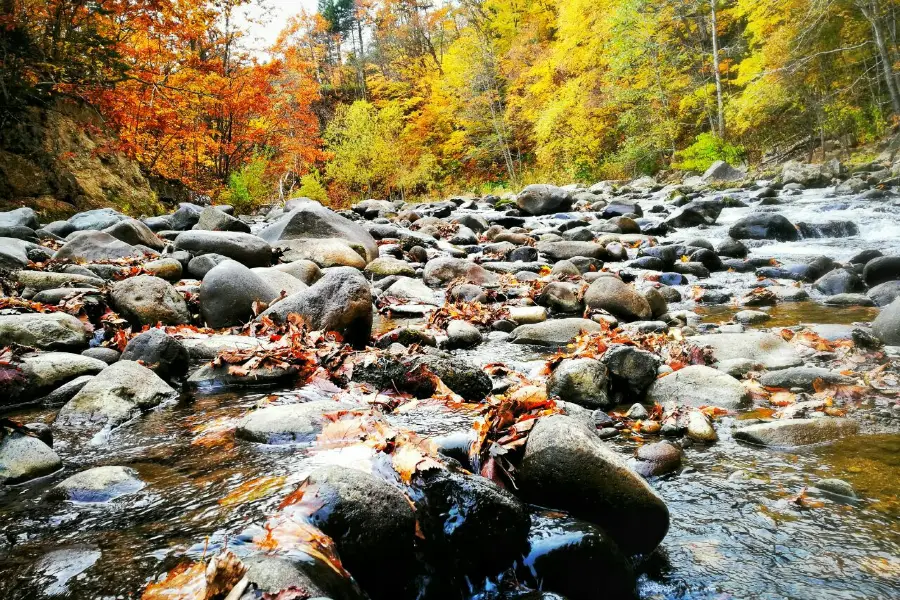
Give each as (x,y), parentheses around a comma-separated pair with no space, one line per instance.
(214,219)
(802,377)
(49,280)
(839,281)
(462,334)
(203,264)
(556,332)
(658,458)
(96,246)
(185,217)
(567,467)
(245,248)
(99,484)
(386,266)
(229,292)
(618,298)
(765,349)
(315,222)
(48,370)
(805,174)
(540,199)
(567,250)
(884,293)
(159,352)
(20,217)
(882,269)
(282,282)
(582,381)
(886,325)
(95,220)
(324,252)
(561,297)
(148,300)
(790,433)
(443,270)
(46,331)
(24,457)
(305,270)
(340,301)
(721,171)
(697,386)
(169,269)
(288,423)
(271,574)
(119,393)
(764,226)
(13,253)
(135,233)
(411,290)
(631,371)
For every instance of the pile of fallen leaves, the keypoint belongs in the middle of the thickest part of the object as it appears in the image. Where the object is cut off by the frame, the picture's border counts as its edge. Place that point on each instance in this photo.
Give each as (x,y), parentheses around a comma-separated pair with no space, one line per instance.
(473,312)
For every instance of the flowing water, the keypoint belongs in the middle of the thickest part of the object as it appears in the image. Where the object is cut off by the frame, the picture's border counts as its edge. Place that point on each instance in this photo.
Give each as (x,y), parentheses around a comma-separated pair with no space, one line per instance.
(737,530)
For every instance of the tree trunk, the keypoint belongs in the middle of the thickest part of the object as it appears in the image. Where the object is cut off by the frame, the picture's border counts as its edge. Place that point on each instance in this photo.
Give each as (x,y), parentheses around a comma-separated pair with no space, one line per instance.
(715,56)
(869,10)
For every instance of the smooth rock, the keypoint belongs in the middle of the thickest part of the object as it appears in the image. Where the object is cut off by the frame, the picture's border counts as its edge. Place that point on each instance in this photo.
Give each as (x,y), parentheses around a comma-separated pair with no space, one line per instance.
(698,385)
(148,300)
(556,332)
(99,484)
(789,433)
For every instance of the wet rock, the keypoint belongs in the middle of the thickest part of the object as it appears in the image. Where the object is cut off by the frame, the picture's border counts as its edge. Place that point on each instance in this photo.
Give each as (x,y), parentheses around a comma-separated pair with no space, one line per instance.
(751,317)
(312,221)
(386,266)
(271,574)
(159,352)
(563,550)
(441,271)
(884,293)
(721,171)
(881,269)
(765,349)
(631,371)
(46,331)
(698,385)
(567,250)
(567,467)
(540,199)
(561,297)
(229,292)
(96,246)
(148,300)
(214,219)
(886,325)
(837,487)
(247,249)
(803,377)
(215,378)
(23,457)
(582,381)
(556,332)
(13,253)
(637,412)
(764,226)
(465,292)
(340,301)
(407,336)
(462,334)
(135,233)
(119,393)
(207,348)
(789,433)
(66,391)
(288,423)
(458,512)
(658,458)
(164,268)
(618,298)
(48,370)
(732,248)
(100,484)
(415,374)
(700,428)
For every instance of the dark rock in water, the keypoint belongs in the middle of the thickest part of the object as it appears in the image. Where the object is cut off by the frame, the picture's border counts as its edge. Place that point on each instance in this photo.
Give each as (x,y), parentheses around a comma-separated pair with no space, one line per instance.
(802,377)
(619,299)
(415,374)
(562,551)
(272,574)
(862,258)
(95,220)
(659,458)
(631,371)
(839,281)
(884,293)
(886,325)
(100,484)
(462,334)
(24,457)
(831,229)
(185,217)
(458,513)
(148,300)
(732,248)
(245,248)
(714,297)
(340,301)
(159,352)
(557,332)
(542,199)
(582,381)
(707,258)
(881,269)
(523,254)
(567,467)
(764,227)
(650,263)
(849,300)
(790,433)
(371,522)
(696,212)
(696,269)
(228,294)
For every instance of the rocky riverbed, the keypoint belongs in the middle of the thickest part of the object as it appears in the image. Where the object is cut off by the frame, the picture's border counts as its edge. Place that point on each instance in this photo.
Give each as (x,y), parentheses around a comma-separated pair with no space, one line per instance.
(627,390)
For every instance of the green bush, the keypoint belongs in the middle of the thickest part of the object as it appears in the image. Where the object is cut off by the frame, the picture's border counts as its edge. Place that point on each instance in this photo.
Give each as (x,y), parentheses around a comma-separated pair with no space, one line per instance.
(311,187)
(707,149)
(247,189)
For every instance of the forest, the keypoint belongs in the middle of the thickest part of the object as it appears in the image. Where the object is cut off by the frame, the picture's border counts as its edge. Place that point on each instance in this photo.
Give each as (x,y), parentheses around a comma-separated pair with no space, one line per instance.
(417,98)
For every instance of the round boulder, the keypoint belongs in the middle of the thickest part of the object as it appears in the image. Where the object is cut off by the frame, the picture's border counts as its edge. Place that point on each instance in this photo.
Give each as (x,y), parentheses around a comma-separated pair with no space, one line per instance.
(148,300)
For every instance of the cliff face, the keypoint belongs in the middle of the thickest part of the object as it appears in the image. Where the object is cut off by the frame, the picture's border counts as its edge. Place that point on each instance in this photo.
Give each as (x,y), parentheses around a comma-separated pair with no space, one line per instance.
(62,159)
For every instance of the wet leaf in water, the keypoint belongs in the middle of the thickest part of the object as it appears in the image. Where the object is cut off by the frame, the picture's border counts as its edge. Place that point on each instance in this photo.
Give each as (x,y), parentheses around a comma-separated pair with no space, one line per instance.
(408,460)
(253,490)
(199,581)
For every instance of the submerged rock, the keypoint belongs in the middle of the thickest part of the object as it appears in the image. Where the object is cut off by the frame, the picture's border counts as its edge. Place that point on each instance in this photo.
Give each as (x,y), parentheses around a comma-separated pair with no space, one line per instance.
(789,433)
(288,423)
(100,484)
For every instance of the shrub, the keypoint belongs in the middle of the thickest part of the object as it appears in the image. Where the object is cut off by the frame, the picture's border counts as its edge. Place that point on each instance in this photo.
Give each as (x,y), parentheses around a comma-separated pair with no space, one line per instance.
(707,149)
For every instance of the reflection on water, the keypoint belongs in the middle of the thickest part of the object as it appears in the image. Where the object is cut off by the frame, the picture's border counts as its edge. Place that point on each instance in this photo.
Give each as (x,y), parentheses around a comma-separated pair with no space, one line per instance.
(790,314)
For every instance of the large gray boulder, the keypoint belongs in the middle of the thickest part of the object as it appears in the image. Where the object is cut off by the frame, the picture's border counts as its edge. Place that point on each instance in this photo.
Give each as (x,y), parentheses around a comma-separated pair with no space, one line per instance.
(119,393)
(884,293)
(148,300)
(49,370)
(764,226)
(721,171)
(20,217)
(882,269)
(245,248)
(14,253)
(228,293)
(46,331)
(567,250)
(288,423)
(443,270)
(567,467)
(23,457)
(541,199)
(765,349)
(329,252)
(95,246)
(40,281)
(159,352)
(215,219)
(618,298)
(887,324)
(340,301)
(582,381)
(790,433)
(134,232)
(698,385)
(314,221)
(556,332)
(95,220)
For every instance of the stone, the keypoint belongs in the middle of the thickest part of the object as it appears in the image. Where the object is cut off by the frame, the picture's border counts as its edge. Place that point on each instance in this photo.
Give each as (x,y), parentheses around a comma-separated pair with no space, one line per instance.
(803,377)
(312,221)
(203,264)
(164,268)
(46,331)
(764,226)
(214,219)
(99,484)
(561,297)
(765,349)
(886,325)
(229,292)
(323,252)
(790,433)
(884,293)
(20,217)
(135,233)
(658,458)
(119,393)
(95,220)
(159,352)
(107,355)
(751,317)
(48,370)
(48,280)
(700,428)
(462,334)
(837,487)
(621,300)
(13,253)
(245,248)
(721,171)
(282,282)
(527,315)
(567,250)
(96,246)
(839,281)
(273,573)
(631,371)
(411,290)
(340,301)
(881,269)
(540,199)
(211,378)
(24,457)
(567,467)
(288,423)
(441,271)
(148,300)
(556,332)
(698,385)
(582,381)
(66,391)
(386,266)
(185,217)
(305,270)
